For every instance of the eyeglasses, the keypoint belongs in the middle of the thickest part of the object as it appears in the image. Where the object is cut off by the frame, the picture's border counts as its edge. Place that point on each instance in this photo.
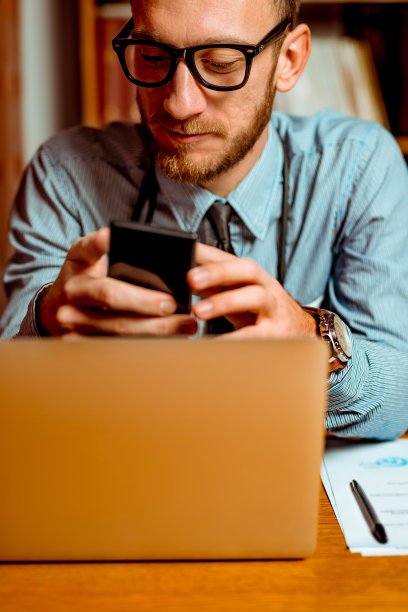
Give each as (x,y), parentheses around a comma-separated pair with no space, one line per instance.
(217,66)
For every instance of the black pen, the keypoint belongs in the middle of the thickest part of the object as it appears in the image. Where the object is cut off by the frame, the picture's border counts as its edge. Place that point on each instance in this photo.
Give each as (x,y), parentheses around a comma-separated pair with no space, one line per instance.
(370,515)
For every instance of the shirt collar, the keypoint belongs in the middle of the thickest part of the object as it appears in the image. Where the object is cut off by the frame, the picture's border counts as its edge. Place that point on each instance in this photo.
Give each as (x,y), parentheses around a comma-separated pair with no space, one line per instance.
(256,199)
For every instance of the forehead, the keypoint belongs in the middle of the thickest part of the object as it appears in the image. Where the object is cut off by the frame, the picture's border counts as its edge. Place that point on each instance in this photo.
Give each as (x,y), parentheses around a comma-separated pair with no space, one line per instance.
(188,22)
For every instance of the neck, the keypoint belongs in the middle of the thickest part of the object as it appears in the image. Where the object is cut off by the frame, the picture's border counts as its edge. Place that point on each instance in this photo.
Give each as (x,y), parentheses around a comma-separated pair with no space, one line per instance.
(226,182)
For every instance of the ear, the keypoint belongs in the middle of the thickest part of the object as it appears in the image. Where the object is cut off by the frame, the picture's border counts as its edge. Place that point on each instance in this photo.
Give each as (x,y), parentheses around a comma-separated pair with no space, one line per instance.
(293,57)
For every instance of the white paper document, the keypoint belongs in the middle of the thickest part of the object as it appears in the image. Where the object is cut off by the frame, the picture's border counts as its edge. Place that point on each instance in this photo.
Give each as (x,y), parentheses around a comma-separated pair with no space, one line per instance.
(381,469)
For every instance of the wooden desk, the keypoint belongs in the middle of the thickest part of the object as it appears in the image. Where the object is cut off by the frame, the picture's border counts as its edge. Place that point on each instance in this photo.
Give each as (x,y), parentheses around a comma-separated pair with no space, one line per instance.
(332,579)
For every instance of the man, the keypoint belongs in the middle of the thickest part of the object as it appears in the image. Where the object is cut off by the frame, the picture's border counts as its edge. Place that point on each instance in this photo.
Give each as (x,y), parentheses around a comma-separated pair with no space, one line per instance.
(207,116)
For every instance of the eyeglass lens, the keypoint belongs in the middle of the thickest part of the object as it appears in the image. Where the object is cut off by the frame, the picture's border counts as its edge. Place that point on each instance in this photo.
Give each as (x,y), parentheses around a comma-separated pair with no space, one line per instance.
(220,66)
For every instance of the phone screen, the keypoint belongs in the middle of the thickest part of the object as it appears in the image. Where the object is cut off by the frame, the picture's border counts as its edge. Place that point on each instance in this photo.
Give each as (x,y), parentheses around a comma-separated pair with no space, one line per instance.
(153,257)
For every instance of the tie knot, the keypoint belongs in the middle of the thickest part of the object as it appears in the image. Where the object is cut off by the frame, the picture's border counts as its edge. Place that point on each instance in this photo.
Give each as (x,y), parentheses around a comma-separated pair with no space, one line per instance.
(219,216)
(221,211)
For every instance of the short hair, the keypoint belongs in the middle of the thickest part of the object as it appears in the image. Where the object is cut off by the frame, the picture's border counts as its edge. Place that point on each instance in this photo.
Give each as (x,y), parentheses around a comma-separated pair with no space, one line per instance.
(287,8)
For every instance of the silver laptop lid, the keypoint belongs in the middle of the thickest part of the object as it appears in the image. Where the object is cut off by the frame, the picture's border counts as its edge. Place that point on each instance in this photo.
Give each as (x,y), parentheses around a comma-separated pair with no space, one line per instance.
(160,449)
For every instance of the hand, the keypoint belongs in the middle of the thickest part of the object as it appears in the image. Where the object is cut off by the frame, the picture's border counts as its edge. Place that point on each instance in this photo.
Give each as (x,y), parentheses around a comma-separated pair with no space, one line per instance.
(247,295)
(83,300)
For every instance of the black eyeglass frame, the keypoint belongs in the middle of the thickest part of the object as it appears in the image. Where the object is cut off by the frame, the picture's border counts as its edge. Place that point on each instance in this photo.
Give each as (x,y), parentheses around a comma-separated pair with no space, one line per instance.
(122,41)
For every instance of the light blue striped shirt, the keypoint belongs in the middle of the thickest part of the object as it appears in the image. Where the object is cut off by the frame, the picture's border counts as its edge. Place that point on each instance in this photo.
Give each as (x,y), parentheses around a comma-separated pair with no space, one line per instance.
(347,240)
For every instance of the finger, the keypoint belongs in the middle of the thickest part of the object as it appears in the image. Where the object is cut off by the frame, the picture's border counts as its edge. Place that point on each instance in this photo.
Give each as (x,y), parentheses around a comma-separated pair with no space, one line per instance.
(87,321)
(248,299)
(236,271)
(90,248)
(244,333)
(207,254)
(263,330)
(115,295)
(70,337)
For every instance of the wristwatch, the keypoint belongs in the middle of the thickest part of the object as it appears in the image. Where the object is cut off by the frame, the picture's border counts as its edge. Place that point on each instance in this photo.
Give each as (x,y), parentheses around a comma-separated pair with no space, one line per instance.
(335,332)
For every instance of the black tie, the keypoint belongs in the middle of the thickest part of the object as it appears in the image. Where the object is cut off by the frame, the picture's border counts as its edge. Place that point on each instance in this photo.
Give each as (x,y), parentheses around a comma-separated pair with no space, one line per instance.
(217,218)
(216,233)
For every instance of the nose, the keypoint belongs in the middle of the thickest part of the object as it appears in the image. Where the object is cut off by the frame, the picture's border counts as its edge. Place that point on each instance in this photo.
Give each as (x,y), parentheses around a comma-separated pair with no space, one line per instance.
(185,98)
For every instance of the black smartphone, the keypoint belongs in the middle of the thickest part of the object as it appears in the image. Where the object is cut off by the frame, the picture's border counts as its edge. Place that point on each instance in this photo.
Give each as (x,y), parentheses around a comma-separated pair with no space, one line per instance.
(153,257)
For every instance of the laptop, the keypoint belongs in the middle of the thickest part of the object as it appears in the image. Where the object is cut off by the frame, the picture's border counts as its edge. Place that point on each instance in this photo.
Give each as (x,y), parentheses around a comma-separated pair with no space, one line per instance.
(160,449)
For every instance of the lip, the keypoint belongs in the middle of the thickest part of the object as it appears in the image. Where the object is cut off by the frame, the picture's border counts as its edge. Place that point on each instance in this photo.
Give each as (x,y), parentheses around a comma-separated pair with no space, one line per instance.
(185,138)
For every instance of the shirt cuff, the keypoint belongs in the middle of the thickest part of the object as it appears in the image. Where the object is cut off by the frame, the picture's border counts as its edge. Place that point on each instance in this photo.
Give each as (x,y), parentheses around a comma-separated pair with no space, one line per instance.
(31,324)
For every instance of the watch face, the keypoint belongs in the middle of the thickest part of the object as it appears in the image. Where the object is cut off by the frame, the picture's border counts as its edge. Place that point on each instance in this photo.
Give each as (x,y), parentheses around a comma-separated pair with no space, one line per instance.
(343,336)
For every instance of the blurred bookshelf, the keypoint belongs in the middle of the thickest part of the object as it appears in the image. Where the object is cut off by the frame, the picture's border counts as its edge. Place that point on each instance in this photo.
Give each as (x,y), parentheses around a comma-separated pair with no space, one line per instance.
(358,65)
(106,93)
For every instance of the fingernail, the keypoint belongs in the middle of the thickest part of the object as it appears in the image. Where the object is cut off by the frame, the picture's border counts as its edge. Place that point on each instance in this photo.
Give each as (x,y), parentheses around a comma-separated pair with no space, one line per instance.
(199,277)
(167,307)
(203,308)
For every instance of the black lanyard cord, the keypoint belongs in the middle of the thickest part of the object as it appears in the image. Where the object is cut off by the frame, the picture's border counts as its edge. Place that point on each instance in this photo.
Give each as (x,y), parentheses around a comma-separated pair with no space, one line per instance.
(283,221)
(148,192)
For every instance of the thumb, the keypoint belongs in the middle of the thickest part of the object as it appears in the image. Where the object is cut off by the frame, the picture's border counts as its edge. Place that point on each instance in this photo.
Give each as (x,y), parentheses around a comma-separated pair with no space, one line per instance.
(90,248)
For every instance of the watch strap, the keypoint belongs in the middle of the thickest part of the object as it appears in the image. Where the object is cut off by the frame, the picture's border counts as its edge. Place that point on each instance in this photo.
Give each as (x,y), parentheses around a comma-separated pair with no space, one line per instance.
(325,328)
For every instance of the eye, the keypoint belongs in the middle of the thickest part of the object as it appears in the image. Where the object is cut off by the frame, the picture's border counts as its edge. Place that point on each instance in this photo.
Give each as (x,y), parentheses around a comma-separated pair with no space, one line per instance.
(220,60)
(152,56)
(218,66)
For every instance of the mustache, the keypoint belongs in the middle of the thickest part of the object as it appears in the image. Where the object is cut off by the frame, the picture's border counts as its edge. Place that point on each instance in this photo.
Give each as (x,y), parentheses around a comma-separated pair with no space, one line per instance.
(187,127)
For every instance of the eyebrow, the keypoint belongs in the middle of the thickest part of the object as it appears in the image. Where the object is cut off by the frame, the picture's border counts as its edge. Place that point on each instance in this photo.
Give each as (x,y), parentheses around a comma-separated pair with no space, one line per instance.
(137,33)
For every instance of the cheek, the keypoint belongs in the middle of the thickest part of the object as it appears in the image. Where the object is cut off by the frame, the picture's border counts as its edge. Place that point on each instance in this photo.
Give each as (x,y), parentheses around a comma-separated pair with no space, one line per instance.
(239,109)
(149,101)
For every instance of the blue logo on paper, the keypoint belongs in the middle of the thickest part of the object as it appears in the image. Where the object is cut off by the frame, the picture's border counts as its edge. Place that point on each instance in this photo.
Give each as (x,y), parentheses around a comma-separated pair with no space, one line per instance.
(392,462)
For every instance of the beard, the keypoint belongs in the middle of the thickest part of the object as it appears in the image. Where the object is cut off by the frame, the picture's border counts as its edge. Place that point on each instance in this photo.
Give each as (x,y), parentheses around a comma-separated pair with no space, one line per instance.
(179,165)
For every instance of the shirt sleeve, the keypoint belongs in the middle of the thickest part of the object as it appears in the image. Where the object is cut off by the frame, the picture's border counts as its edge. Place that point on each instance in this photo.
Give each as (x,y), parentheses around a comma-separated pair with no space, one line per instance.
(368,289)
(43,225)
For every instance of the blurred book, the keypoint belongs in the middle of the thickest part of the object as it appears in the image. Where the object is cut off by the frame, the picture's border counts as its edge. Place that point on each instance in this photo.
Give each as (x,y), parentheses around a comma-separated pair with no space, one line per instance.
(340,75)
(117,95)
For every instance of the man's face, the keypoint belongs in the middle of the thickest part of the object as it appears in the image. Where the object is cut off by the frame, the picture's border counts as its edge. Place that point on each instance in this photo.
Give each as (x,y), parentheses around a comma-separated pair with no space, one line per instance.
(200,133)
